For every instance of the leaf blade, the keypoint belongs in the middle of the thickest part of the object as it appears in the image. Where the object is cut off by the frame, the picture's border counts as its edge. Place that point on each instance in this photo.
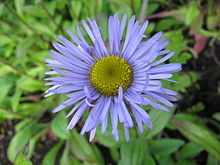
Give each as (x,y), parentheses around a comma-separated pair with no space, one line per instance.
(199,135)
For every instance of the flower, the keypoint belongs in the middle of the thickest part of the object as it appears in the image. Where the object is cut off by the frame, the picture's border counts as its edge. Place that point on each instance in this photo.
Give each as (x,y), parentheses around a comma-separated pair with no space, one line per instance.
(111,79)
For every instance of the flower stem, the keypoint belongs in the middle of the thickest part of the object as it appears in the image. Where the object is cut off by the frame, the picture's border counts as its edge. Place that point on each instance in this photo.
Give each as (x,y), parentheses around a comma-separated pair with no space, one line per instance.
(143,10)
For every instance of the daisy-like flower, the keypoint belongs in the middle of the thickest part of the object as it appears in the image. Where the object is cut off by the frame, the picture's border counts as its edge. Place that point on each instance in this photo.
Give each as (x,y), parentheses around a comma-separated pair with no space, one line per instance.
(111,79)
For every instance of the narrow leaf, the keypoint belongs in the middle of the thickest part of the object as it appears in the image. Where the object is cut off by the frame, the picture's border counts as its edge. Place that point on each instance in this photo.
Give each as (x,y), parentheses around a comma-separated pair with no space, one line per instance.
(190,150)
(159,120)
(164,147)
(192,12)
(199,135)
(50,157)
(22,160)
(59,125)
(133,152)
(15,99)
(21,138)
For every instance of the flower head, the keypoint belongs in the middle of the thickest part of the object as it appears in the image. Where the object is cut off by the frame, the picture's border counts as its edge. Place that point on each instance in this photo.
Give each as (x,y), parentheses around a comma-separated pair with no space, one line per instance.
(111,80)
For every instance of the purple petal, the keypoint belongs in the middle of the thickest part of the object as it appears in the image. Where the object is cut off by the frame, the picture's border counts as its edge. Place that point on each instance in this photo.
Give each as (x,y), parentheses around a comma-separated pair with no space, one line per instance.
(128,121)
(75,108)
(126,131)
(104,124)
(139,122)
(160,76)
(93,116)
(163,59)
(114,118)
(159,98)
(174,67)
(69,102)
(77,116)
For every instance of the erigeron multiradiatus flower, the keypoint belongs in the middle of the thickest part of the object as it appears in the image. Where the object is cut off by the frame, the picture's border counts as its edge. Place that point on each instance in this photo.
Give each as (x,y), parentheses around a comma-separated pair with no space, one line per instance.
(111,79)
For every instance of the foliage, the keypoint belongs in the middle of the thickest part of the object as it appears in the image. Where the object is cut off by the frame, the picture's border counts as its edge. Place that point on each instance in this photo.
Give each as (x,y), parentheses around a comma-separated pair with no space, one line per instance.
(27,29)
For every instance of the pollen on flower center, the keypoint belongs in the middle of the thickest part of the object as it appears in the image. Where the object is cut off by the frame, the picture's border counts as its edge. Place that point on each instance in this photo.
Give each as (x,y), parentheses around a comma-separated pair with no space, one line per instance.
(109,73)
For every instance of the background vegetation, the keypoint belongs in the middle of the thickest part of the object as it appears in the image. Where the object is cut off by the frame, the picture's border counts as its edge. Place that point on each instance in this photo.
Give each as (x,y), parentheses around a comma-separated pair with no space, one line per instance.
(31,134)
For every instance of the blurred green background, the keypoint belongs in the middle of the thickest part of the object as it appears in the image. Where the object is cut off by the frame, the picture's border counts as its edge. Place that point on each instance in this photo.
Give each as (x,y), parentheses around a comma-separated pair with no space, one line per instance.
(31,134)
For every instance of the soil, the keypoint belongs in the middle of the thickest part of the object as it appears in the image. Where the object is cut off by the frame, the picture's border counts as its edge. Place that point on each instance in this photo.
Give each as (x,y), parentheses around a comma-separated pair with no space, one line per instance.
(6,134)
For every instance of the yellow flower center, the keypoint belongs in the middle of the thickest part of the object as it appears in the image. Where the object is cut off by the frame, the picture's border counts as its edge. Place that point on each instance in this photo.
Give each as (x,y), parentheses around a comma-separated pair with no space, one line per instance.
(109,73)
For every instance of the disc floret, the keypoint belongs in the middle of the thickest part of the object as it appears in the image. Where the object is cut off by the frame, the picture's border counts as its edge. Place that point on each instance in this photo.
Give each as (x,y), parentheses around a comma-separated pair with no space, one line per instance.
(109,73)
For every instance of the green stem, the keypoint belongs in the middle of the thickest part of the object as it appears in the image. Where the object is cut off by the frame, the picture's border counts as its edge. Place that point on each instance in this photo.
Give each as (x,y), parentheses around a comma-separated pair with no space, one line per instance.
(143,10)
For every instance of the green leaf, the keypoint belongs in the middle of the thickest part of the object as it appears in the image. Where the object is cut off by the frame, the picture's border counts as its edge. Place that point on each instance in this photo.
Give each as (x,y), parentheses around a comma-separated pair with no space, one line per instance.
(77,6)
(51,6)
(126,153)
(177,43)
(199,135)
(37,108)
(21,138)
(1,8)
(186,162)
(64,158)
(167,24)
(159,120)
(196,24)
(33,142)
(34,11)
(22,124)
(4,91)
(152,7)
(190,150)
(124,8)
(44,29)
(211,160)
(24,45)
(50,157)
(59,125)
(4,70)
(150,28)
(114,154)
(19,6)
(185,79)
(186,116)
(196,108)
(163,147)
(107,139)
(216,116)
(90,4)
(181,58)
(192,12)
(165,160)
(133,152)
(149,160)
(212,21)
(15,99)
(85,151)
(29,85)
(5,40)
(22,160)
(5,114)
(75,161)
